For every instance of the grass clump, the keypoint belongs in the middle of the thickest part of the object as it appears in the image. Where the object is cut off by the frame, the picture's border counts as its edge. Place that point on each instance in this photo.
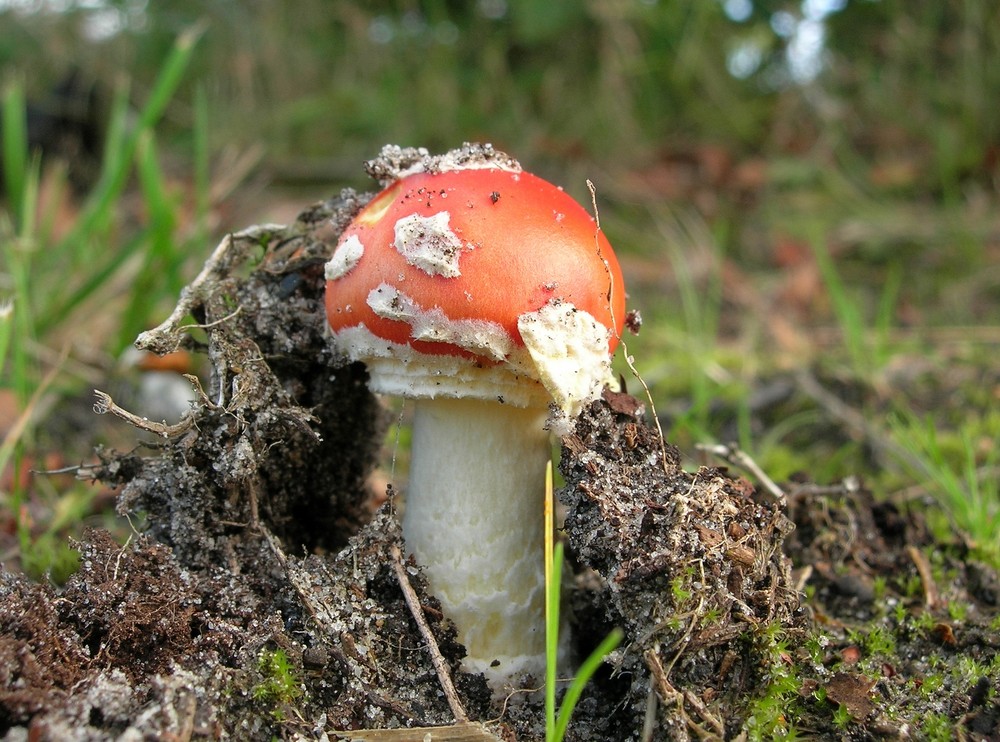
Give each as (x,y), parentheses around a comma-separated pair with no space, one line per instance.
(74,289)
(957,473)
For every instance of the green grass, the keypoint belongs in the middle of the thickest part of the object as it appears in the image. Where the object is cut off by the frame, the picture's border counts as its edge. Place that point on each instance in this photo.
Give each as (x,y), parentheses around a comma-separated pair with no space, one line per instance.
(880,306)
(130,148)
(61,290)
(964,482)
(865,339)
(556,724)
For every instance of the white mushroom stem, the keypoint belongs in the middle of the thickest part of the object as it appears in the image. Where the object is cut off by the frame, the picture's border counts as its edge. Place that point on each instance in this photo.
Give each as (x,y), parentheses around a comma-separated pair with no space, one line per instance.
(474,522)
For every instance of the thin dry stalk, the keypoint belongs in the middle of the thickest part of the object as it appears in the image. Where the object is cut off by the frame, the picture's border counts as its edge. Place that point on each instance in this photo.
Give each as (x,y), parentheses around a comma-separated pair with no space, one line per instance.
(931,594)
(440,666)
(737,457)
(629,360)
(106,405)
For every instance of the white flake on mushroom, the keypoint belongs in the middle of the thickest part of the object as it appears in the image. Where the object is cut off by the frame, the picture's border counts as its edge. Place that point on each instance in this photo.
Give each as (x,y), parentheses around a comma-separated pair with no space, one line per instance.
(474,335)
(344,258)
(569,351)
(428,243)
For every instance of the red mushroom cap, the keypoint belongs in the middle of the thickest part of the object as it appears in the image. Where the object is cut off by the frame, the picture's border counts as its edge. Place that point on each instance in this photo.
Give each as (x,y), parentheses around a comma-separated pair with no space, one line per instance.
(439,255)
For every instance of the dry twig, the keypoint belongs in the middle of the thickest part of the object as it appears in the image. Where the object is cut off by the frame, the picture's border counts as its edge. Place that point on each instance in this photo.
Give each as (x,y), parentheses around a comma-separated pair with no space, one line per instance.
(860,428)
(319,611)
(670,696)
(931,595)
(440,666)
(105,404)
(465,731)
(738,457)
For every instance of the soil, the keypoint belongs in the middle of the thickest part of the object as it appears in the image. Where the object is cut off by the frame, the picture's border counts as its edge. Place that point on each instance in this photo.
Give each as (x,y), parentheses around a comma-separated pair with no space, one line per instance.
(262,597)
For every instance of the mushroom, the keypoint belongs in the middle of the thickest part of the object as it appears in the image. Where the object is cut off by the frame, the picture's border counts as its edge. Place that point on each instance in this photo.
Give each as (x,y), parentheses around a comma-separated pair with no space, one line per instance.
(489,297)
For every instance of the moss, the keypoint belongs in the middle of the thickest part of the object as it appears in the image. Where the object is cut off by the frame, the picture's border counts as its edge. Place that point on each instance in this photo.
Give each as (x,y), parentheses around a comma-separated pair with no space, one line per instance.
(770,714)
(280,685)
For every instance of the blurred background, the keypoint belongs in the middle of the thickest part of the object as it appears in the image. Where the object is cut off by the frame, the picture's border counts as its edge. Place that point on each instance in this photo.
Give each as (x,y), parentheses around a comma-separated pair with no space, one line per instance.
(803,195)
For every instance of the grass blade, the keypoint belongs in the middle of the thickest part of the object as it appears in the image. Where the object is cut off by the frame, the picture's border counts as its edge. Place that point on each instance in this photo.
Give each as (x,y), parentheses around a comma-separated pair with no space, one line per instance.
(98,278)
(553,577)
(113,179)
(6,330)
(121,149)
(15,147)
(555,728)
(583,676)
(162,258)
(202,175)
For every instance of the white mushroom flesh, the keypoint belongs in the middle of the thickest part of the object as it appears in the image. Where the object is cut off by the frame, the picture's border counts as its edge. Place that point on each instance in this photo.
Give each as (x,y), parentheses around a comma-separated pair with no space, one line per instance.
(481,337)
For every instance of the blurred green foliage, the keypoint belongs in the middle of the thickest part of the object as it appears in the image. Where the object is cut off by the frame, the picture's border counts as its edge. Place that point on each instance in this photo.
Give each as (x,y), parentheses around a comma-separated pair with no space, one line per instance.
(617,80)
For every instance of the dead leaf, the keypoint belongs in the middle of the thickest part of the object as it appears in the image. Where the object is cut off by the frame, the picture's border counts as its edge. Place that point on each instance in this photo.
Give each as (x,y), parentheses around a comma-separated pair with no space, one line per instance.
(853,691)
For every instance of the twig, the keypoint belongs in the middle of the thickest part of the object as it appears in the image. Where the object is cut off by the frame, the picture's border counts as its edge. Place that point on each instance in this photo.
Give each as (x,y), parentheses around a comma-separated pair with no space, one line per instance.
(704,713)
(105,404)
(195,383)
(671,696)
(425,631)
(931,595)
(846,486)
(165,338)
(318,611)
(801,578)
(668,694)
(649,720)
(194,325)
(629,359)
(738,457)
(464,731)
(252,486)
(118,559)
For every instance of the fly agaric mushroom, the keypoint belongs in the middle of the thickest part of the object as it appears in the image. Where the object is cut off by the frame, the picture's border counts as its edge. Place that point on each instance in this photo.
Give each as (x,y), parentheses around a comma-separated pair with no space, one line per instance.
(489,297)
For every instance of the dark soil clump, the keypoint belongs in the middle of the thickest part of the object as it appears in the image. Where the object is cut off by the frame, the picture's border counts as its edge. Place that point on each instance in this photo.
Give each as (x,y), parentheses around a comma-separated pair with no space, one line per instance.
(687,563)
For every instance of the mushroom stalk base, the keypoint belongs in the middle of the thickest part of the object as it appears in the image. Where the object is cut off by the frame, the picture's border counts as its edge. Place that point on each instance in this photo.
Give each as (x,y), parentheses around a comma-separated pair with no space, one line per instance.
(474,522)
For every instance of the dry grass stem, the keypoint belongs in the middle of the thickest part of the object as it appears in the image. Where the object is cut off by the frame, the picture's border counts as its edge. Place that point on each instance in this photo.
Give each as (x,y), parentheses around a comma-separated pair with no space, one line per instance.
(440,666)
(734,455)
(931,594)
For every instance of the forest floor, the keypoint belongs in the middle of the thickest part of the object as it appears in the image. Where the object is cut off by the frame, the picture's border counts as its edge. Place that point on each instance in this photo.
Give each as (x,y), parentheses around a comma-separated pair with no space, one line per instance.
(259,597)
